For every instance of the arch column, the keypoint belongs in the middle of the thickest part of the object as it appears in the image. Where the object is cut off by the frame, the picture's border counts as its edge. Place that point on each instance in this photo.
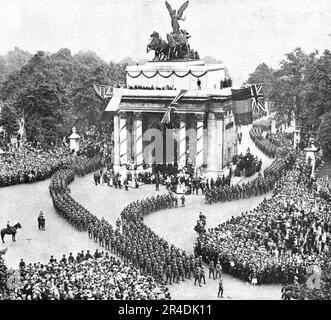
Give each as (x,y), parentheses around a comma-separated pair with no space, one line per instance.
(138,143)
(181,154)
(116,137)
(199,149)
(219,117)
(211,158)
(123,139)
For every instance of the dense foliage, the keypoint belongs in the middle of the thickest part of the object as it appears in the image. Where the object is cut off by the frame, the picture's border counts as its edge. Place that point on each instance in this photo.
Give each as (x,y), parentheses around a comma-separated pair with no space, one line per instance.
(53,92)
(301,87)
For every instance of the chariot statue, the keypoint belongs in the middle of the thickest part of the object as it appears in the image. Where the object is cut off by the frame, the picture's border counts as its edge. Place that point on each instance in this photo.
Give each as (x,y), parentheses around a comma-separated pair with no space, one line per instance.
(176,46)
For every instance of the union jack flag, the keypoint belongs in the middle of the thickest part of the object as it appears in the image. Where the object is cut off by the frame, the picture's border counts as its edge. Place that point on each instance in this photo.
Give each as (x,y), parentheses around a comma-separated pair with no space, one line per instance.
(257,97)
(103,91)
(167,116)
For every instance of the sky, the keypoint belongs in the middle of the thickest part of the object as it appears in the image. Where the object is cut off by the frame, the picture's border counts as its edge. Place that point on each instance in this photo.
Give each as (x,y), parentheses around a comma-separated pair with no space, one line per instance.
(241,33)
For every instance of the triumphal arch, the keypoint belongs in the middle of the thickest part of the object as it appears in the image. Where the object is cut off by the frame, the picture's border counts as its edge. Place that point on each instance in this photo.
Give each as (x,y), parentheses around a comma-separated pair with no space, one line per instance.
(199,128)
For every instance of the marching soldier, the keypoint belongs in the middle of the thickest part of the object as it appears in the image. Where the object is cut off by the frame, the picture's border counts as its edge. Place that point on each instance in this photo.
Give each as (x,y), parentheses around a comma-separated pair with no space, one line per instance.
(197,276)
(202,275)
(212,269)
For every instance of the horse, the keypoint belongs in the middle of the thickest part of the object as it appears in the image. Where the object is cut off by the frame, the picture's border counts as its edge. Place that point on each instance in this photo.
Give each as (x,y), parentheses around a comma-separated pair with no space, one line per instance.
(11,231)
(200,226)
(159,46)
(199,229)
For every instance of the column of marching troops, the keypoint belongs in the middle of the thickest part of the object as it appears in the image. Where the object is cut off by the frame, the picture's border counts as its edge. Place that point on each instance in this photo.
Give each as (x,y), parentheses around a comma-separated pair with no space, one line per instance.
(131,239)
(256,187)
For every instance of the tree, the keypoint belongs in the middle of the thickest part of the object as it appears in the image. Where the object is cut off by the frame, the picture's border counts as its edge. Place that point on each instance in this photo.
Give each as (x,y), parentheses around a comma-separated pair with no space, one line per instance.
(53,92)
(16,59)
(9,120)
(324,133)
(290,90)
(265,75)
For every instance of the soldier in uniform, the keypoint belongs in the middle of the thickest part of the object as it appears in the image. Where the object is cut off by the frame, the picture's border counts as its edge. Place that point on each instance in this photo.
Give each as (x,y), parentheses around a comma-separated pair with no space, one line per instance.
(168,274)
(197,276)
(183,201)
(175,274)
(188,269)
(220,288)
(218,269)
(202,275)
(71,258)
(212,269)
(64,259)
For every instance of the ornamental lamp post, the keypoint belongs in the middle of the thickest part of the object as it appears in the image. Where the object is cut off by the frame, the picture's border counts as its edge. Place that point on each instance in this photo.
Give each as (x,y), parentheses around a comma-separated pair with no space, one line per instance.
(74,140)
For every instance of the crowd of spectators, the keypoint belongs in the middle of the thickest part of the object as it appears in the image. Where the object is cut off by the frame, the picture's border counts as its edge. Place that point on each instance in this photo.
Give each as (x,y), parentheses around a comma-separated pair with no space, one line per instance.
(138,87)
(97,141)
(30,164)
(87,276)
(277,240)
(226,83)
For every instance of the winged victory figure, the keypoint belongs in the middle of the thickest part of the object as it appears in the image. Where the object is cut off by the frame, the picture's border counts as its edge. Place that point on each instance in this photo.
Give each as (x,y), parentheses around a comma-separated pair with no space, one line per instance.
(176,16)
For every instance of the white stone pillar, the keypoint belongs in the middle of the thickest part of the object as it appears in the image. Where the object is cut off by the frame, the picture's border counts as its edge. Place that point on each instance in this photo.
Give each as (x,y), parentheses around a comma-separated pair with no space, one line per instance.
(199,149)
(296,139)
(74,140)
(123,139)
(211,158)
(219,116)
(181,154)
(116,139)
(138,144)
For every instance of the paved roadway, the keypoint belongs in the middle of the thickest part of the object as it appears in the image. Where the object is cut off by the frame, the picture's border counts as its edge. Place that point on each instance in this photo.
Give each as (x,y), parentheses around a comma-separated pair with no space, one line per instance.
(23,202)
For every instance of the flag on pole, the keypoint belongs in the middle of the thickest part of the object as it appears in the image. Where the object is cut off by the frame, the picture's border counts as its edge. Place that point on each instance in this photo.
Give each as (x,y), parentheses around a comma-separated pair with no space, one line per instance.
(104,91)
(257,97)
(242,106)
(167,116)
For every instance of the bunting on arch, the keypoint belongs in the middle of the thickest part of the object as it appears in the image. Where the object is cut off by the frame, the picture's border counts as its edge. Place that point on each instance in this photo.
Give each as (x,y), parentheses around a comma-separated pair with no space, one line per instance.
(169,74)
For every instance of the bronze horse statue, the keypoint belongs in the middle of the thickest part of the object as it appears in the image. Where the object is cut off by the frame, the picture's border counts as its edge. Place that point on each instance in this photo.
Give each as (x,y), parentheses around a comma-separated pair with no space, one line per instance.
(160,47)
(177,46)
(11,231)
